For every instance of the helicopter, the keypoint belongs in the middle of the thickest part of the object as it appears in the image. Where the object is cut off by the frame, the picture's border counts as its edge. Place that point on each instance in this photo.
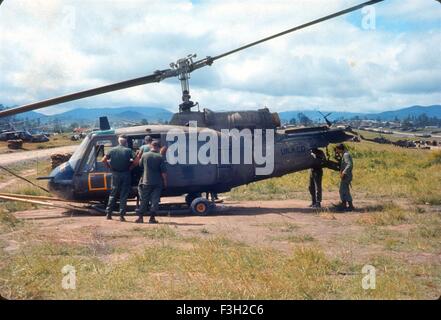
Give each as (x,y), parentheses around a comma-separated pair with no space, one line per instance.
(84,177)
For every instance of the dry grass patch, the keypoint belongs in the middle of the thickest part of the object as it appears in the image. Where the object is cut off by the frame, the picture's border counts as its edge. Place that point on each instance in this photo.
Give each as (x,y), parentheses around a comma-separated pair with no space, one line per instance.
(379,171)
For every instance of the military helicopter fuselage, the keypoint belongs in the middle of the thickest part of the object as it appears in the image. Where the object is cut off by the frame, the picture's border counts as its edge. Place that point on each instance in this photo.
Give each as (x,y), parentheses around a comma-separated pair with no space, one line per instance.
(85,177)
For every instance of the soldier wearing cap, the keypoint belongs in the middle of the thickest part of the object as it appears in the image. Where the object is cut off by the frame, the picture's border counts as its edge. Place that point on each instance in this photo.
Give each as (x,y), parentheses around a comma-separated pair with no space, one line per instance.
(315,177)
(146,146)
(346,166)
(153,180)
(120,164)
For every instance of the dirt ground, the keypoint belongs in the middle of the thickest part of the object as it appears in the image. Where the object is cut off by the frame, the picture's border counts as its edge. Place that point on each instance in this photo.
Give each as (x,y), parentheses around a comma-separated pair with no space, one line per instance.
(15,156)
(281,225)
(392,233)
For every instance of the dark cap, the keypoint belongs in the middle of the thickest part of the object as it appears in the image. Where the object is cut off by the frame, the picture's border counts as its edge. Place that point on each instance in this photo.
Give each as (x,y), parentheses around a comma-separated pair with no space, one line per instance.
(155,144)
(340,146)
(148,138)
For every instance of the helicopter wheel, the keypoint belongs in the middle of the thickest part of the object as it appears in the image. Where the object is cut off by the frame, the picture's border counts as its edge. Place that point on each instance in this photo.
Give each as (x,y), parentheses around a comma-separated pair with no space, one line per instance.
(201,206)
(190,197)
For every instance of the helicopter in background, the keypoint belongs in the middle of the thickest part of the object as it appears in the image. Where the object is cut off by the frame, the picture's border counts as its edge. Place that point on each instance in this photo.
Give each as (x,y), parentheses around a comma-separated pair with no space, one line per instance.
(85,177)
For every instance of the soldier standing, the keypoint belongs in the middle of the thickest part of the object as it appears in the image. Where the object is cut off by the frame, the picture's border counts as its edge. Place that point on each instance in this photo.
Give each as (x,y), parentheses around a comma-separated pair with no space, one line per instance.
(153,180)
(120,162)
(146,146)
(315,177)
(346,166)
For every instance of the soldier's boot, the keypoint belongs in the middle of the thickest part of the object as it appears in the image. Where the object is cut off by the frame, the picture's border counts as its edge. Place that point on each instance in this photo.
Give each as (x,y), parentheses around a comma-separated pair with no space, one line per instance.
(341,206)
(317,205)
(121,218)
(152,219)
(109,216)
(312,205)
(350,206)
(139,220)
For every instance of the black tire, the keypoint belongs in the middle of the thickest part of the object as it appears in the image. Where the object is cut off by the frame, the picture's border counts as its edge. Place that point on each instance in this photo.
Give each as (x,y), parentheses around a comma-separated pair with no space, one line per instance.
(190,197)
(201,206)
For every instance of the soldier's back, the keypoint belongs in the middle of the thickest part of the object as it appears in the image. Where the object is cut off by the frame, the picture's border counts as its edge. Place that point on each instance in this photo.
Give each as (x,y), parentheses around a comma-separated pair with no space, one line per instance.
(120,157)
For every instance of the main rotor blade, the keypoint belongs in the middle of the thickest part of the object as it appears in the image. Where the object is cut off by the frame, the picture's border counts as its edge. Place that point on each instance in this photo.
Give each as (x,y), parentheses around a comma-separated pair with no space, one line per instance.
(160,75)
(156,77)
(305,25)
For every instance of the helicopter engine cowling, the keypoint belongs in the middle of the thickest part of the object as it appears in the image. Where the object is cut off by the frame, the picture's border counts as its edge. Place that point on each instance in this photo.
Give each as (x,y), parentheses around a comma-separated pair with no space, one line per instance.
(252,119)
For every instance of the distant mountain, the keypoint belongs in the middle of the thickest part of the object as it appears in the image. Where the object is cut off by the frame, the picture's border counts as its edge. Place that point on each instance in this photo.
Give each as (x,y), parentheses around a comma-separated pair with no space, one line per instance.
(285,116)
(430,111)
(114,114)
(153,114)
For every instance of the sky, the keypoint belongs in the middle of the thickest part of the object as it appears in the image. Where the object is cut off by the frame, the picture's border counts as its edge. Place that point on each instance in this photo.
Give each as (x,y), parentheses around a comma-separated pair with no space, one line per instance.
(381,58)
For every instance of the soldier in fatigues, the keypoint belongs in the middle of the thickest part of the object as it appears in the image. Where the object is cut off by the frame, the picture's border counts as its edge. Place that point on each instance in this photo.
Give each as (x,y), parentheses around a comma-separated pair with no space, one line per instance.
(120,163)
(143,149)
(153,180)
(346,166)
(315,177)
(146,146)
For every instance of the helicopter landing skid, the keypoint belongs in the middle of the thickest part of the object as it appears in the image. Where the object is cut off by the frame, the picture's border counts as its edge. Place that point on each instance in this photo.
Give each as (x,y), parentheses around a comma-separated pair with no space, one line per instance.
(165,209)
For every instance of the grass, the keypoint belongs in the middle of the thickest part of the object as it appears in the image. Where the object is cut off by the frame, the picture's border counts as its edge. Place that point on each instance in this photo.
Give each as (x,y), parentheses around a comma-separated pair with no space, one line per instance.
(380,171)
(60,140)
(401,230)
(211,269)
(279,226)
(295,238)
(22,187)
(390,214)
(8,221)
(161,232)
(400,241)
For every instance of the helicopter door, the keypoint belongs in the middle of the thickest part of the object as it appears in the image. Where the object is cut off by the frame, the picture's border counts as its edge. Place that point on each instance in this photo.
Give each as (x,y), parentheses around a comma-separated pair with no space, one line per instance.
(96,176)
(191,175)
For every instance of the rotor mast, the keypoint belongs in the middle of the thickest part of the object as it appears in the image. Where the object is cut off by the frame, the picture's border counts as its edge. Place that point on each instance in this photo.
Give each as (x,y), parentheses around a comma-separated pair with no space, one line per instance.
(181,69)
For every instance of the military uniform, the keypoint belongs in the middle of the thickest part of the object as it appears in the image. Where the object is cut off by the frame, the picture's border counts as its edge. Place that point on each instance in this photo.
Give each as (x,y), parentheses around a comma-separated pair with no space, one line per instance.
(346,166)
(144,148)
(315,177)
(120,160)
(151,185)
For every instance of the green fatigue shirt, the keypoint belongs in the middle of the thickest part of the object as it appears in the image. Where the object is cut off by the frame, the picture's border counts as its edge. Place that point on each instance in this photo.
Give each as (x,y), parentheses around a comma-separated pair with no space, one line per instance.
(153,165)
(320,159)
(144,148)
(120,157)
(346,165)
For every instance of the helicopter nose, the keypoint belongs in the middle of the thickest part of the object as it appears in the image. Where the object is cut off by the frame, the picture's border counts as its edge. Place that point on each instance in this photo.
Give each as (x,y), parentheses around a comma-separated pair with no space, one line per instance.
(61,182)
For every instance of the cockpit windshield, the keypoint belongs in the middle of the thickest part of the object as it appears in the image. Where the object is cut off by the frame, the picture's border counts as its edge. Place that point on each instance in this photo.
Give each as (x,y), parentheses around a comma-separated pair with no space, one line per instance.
(79,153)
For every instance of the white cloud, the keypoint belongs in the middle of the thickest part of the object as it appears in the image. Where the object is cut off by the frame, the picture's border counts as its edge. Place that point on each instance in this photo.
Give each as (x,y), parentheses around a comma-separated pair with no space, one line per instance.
(53,47)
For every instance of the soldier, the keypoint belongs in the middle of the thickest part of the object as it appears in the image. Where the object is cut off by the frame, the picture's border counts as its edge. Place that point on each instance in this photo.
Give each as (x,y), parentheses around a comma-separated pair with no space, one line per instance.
(143,149)
(315,177)
(146,146)
(153,180)
(187,104)
(346,166)
(120,163)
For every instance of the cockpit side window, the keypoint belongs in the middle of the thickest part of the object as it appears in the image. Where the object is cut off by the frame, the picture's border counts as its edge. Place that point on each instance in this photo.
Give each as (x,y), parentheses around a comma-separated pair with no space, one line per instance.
(96,153)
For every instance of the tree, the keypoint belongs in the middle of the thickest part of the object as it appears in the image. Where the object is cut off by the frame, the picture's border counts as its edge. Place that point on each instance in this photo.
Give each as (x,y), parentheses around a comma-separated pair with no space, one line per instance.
(144,122)
(73,126)
(422,120)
